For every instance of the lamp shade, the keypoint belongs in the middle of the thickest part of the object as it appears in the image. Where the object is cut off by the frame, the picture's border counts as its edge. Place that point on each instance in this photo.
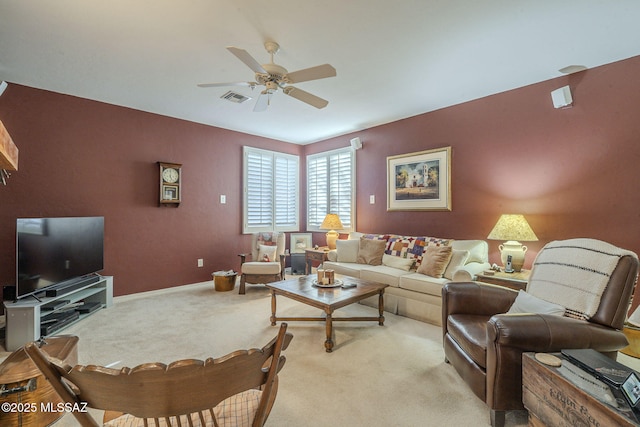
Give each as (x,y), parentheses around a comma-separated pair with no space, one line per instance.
(512,227)
(331,222)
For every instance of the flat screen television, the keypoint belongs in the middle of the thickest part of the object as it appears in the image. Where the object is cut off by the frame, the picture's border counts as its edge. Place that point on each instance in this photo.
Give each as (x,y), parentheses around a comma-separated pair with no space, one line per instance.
(54,251)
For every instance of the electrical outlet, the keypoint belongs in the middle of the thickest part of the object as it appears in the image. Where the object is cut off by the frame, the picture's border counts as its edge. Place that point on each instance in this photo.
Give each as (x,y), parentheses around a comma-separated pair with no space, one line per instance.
(223,199)
(200,262)
(372,199)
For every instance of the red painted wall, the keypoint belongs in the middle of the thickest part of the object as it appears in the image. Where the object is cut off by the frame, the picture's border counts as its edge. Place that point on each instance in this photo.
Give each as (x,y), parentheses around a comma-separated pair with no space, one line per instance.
(83,158)
(572,172)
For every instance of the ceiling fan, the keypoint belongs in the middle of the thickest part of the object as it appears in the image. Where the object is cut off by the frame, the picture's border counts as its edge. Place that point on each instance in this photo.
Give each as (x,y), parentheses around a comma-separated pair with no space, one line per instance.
(273,76)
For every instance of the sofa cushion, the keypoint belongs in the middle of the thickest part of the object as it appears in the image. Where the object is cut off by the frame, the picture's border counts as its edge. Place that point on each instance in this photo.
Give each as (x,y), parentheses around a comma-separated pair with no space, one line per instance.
(470,332)
(423,284)
(351,269)
(458,260)
(435,260)
(382,274)
(347,250)
(370,251)
(258,267)
(397,262)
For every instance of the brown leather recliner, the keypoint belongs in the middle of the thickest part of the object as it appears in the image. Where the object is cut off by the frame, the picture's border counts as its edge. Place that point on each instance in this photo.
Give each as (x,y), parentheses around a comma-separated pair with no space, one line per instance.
(485,347)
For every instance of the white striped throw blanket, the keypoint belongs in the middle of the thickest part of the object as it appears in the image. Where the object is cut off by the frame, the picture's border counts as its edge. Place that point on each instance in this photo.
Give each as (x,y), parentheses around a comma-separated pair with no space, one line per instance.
(574,273)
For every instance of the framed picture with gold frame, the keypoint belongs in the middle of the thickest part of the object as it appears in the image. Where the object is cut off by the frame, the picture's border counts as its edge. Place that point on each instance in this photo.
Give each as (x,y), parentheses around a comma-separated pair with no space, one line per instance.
(419,181)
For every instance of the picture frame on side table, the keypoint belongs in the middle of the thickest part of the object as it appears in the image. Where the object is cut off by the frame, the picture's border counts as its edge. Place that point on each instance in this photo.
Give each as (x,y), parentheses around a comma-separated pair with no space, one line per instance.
(300,242)
(419,181)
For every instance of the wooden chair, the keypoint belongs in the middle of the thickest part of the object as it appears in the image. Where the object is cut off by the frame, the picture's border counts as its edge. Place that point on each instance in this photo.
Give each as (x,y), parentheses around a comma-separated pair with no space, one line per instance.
(184,393)
(259,269)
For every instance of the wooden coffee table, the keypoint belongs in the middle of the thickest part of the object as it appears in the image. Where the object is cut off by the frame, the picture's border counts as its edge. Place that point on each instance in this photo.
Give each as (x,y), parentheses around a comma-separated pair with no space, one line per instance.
(327,299)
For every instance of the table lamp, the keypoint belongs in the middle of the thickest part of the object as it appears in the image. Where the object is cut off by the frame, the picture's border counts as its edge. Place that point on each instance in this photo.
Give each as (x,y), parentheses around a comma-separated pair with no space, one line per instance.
(331,222)
(512,228)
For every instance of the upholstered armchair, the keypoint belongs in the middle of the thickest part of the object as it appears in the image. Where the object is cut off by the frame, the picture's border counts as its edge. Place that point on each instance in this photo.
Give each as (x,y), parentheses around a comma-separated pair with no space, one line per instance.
(486,328)
(267,260)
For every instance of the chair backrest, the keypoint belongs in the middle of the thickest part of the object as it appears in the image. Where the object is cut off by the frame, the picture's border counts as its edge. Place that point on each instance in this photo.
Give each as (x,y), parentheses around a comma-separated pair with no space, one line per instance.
(156,391)
(594,280)
(268,239)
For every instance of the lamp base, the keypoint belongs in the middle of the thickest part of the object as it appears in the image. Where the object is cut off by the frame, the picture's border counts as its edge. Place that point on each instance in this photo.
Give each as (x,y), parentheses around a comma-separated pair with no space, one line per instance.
(332,236)
(516,250)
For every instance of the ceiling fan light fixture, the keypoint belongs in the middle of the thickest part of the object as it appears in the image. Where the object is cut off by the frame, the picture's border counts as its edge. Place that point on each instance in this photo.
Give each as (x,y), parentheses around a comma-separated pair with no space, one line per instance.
(273,77)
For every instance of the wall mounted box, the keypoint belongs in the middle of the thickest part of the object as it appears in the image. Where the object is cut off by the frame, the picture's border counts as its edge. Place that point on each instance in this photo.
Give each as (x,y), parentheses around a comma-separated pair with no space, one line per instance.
(562,97)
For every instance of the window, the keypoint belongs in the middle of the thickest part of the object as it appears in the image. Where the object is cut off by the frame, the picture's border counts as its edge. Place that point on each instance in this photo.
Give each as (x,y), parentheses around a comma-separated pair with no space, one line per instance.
(331,188)
(270,191)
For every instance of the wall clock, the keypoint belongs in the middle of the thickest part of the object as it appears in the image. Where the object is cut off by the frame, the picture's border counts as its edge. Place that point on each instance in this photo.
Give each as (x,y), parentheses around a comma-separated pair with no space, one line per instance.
(170,183)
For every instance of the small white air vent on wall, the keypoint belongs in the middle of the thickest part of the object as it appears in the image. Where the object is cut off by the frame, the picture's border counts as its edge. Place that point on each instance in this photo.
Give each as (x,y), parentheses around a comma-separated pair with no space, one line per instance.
(235,97)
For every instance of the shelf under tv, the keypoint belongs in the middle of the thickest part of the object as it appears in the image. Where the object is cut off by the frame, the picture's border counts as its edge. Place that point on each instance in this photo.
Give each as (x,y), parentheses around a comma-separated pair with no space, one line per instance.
(23,317)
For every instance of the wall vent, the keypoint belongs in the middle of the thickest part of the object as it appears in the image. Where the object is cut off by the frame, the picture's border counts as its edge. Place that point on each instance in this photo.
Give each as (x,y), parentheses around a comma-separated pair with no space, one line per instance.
(235,97)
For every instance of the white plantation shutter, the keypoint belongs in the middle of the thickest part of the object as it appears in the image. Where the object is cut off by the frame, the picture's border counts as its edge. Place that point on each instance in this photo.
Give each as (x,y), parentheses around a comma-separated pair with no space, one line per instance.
(286,193)
(317,191)
(270,191)
(331,188)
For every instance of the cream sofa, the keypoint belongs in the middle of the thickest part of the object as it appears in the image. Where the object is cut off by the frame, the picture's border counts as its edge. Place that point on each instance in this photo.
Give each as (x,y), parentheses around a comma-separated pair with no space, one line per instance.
(410,293)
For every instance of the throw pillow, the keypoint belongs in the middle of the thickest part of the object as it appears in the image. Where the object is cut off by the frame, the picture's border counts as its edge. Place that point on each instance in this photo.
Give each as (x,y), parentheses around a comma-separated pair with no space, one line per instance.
(435,260)
(397,262)
(457,261)
(412,247)
(267,253)
(527,303)
(347,250)
(370,251)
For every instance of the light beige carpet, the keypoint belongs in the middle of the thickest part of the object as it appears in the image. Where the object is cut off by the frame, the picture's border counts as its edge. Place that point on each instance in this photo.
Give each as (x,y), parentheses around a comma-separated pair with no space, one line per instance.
(391,375)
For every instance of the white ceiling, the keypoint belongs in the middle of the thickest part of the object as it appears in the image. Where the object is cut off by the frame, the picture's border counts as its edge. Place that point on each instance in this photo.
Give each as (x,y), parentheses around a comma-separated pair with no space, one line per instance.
(394,59)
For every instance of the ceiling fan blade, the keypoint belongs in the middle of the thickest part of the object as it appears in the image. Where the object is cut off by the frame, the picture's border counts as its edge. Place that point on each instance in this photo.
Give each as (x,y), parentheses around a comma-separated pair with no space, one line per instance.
(304,96)
(244,56)
(250,84)
(262,103)
(313,73)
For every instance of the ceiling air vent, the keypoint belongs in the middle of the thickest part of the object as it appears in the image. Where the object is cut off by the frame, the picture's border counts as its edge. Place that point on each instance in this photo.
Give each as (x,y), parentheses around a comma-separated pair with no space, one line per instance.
(235,97)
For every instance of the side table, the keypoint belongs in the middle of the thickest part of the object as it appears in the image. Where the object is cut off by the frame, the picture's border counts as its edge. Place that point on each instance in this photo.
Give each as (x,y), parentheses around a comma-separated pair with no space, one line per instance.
(552,399)
(517,281)
(312,255)
(22,386)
